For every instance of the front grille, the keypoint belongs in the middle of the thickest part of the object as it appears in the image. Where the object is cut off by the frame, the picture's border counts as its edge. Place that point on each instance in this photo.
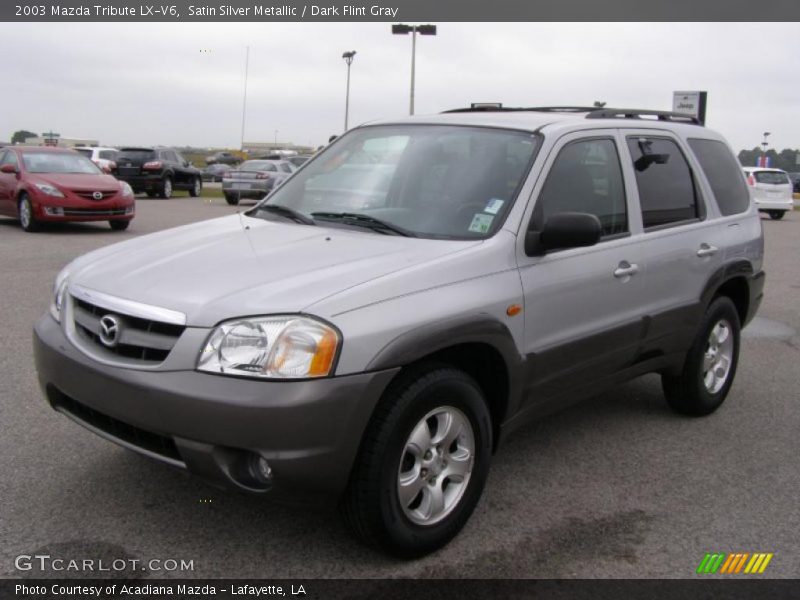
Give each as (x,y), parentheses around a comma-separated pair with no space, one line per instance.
(92,212)
(139,339)
(140,438)
(89,195)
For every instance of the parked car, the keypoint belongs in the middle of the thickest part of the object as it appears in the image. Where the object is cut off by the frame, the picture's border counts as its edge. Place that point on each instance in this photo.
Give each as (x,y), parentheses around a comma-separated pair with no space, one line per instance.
(225,158)
(157,171)
(103,157)
(254,179)
(795,177)
(375,349)
(216,172)
(41,184)
(771,189)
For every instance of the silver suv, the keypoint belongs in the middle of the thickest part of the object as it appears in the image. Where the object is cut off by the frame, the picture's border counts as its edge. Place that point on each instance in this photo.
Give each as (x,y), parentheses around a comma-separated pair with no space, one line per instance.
(374,329)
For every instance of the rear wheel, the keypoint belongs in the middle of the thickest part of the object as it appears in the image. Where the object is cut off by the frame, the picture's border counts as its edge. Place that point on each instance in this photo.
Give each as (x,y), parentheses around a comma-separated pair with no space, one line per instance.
(197,188)
(232,199)
(777,215)
(166,188)
(422,464)
(26,217)
(710,365)
(119,225)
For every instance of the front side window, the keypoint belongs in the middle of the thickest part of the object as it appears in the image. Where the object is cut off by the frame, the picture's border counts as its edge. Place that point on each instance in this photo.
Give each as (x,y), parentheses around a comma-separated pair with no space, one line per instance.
(586,177)
(9,158)
(666,185)
(57,162)
(435,181)
(723,174)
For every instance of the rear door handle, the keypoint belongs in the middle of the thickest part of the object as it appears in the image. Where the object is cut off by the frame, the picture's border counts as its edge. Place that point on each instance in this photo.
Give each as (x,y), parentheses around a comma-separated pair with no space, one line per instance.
(707,250)
(625,269)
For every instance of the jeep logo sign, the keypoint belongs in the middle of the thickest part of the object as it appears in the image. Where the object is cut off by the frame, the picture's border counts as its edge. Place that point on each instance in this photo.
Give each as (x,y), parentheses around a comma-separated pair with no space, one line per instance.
(690,103)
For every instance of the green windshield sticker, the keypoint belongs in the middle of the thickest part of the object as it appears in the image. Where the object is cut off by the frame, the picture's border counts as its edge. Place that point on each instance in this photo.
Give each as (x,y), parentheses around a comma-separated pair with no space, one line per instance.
(481,223)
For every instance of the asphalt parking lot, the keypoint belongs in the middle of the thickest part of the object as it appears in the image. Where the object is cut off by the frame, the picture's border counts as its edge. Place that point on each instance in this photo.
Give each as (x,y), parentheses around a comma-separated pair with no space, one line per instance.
(616,487)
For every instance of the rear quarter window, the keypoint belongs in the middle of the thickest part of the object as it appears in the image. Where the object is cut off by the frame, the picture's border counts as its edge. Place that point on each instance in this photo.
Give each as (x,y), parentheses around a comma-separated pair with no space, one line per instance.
(724,175)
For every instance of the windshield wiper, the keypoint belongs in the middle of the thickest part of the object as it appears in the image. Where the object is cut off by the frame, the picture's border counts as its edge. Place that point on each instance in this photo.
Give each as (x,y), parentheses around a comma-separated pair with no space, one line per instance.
(287,212)
(362,220)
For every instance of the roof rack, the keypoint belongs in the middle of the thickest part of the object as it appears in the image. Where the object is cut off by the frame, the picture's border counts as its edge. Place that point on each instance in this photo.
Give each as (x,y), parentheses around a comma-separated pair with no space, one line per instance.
(592,112)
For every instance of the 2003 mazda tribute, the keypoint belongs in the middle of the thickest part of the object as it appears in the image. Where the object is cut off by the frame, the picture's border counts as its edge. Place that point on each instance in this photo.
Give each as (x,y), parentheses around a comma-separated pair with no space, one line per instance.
(374,329)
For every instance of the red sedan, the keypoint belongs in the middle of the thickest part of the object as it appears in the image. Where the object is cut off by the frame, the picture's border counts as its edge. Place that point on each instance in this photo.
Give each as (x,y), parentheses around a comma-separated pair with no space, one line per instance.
(39,184)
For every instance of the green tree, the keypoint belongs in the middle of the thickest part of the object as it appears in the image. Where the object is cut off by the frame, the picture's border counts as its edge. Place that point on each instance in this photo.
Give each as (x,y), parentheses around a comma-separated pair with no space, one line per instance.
(20,136)
(786,159)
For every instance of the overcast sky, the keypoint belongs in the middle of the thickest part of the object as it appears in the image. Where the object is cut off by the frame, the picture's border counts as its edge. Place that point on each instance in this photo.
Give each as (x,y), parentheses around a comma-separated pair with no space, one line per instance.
(151,84)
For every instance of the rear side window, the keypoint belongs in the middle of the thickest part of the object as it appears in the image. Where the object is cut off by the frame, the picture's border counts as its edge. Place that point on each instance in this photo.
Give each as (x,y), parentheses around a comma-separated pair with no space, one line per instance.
(724,175)
(586,177)
(771,177)
(666,187)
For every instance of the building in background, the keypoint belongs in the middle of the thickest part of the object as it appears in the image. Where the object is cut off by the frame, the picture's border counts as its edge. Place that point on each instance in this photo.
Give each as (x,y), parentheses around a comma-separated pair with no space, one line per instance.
(56,139)
(261,148)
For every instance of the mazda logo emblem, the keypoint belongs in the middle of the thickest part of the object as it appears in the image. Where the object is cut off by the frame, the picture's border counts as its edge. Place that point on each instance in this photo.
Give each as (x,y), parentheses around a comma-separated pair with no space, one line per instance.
(110,330)
(97,195)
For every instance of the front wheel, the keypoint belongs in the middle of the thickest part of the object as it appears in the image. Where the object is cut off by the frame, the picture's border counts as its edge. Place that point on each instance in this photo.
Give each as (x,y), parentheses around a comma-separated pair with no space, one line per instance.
(26,217)
(422,464)
(710,364)
(776,215)
(119,225)
(197,188)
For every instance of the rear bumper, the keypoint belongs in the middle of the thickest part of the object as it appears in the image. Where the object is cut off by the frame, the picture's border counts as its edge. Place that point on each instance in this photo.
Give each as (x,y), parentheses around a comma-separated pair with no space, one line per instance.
(257,190)
(214,426)
(143,182)
(781,204)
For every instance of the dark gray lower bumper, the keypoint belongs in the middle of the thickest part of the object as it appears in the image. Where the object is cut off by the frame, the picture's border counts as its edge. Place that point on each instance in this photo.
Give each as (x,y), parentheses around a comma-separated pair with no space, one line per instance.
(309,431)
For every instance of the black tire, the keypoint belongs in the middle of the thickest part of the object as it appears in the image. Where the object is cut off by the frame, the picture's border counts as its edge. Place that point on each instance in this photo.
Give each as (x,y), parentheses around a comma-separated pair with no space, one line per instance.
(27,219)
(119,225)
(371,506)
(232,199)
(152,193)
(776,215)
(197,187)
(687,393)
(166,188)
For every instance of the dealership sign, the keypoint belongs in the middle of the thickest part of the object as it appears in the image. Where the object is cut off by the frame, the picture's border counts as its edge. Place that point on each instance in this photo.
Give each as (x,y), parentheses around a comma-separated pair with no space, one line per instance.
(690,103)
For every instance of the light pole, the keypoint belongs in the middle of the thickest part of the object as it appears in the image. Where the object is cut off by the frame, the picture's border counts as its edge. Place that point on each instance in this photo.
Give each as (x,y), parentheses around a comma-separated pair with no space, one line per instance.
(244,100)
(402,29)
(764,145)
(348,58)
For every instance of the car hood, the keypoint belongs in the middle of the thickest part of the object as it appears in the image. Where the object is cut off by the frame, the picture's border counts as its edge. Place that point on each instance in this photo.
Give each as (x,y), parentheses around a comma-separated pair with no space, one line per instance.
(238,265)
(76,181)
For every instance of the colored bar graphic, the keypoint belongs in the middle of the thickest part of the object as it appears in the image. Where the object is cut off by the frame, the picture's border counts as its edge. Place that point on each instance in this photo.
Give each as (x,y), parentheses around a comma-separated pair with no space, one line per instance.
(734,563)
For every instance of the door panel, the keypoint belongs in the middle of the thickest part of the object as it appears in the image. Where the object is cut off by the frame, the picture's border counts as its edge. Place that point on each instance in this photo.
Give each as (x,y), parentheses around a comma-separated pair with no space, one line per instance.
(583,318)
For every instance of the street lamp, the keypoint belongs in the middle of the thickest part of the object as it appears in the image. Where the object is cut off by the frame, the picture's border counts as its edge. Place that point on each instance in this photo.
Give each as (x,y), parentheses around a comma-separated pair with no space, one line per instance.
(402,29)
(764,145)
(348,58)
(244,94)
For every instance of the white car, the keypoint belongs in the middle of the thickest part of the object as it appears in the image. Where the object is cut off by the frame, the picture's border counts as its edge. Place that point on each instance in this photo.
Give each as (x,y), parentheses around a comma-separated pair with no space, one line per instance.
(103,157)
(771,190)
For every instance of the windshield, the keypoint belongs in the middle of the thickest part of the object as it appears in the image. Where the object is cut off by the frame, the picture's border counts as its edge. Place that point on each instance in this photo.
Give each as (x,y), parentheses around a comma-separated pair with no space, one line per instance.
(445,182)
(772,177)
(85,151)
(56,162)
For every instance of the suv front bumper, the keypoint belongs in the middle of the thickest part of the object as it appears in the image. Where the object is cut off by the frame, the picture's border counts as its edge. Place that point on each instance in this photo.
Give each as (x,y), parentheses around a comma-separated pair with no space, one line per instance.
(214,426)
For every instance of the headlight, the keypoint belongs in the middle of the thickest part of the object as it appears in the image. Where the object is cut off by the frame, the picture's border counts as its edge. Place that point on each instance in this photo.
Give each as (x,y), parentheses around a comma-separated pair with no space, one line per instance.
(281,347)
(50,190)
(59,293)
(127,191)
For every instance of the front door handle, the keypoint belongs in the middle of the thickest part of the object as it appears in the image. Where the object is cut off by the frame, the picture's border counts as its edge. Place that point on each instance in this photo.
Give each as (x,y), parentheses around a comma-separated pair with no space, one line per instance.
(707,250)
(625,270)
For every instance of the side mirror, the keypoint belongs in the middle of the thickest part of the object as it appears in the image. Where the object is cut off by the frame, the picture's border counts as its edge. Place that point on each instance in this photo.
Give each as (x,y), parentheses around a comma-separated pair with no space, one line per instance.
(564,230)
(8,168)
